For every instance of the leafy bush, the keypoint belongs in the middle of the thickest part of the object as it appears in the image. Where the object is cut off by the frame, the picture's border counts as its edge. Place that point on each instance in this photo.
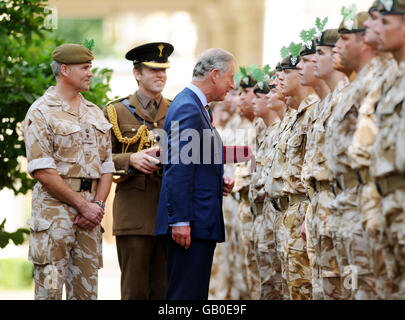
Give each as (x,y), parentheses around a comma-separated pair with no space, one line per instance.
(15,273)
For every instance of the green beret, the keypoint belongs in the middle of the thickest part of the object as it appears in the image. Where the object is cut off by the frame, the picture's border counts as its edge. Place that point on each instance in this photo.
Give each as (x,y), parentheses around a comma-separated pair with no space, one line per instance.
(290,62)
(391,6)
(328,38)
(355,25)
(70,53)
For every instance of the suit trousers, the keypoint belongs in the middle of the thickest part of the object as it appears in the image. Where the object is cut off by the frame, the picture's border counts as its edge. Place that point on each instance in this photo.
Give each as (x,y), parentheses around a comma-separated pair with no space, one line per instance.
(143,267)
(189,270)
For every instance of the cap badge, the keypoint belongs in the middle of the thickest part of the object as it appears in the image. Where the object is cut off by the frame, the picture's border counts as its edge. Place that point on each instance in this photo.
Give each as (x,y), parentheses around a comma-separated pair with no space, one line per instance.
(294,61)
(161,47)
(388,4)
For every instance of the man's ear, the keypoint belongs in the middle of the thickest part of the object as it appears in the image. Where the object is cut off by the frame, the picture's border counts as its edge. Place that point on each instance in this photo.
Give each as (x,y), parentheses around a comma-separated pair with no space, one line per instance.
(215,75)
(137,74)
(64,70)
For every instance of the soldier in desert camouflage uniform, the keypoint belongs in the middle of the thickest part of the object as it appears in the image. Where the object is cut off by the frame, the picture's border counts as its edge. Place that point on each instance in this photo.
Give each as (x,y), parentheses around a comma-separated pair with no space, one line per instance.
(68,146)
(347,230)
(387,155)
(235,266)
(297,265)
(276,200)
(257,193)
(359,150)
(326,281)
(247,136)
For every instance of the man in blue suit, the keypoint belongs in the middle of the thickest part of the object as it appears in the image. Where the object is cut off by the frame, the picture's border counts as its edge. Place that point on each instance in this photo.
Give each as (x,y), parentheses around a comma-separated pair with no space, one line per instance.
(190,206)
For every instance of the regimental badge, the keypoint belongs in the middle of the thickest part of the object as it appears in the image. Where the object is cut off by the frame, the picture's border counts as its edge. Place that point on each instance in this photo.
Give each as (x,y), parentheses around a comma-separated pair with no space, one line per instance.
(266,78)
(349,24)
(308,45)
(294,60)
(161,47)
(261,85)
(388,4)
(246,80)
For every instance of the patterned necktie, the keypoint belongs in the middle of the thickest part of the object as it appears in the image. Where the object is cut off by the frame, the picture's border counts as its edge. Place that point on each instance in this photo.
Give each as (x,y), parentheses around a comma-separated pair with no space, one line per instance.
(210,113)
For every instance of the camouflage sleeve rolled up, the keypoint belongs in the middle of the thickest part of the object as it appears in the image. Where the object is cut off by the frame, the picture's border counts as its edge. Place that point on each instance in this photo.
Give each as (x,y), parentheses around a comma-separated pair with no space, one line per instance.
(38,141)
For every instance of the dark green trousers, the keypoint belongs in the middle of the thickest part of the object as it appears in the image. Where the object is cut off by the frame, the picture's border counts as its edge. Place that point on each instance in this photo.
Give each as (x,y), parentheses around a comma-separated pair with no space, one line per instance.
(143,267)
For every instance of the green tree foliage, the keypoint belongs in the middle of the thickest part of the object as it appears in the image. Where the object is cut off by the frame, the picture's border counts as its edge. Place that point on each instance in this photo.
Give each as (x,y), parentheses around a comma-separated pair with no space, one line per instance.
(17,237)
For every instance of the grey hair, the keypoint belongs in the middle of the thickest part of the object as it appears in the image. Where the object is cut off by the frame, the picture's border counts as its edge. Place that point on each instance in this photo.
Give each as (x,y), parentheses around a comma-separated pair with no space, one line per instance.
(55,65)
(212,59)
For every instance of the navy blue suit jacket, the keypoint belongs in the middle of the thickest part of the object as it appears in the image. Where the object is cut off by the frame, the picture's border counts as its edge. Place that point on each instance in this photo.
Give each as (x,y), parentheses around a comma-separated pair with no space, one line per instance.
(192,191)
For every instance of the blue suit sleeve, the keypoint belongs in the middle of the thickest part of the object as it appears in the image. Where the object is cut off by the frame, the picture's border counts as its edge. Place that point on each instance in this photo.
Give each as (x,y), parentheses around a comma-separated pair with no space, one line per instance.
(179,175)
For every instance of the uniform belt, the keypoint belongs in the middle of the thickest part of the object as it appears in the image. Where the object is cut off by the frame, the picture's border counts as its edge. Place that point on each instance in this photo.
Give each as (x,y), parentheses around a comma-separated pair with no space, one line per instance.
(280,204)
(389,184)
(352,179)
(317,186)
(82,184)
(296,198)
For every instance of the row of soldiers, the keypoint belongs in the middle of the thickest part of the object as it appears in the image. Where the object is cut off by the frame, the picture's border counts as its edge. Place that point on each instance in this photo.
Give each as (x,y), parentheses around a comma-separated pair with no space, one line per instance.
(322,216)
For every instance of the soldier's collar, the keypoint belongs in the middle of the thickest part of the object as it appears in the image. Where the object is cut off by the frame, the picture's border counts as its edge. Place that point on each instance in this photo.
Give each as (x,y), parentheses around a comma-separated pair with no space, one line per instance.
(53,100)
(144,100)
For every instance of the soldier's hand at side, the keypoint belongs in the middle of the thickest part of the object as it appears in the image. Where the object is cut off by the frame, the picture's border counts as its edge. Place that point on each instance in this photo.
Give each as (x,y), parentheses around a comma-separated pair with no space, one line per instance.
(229,183)
(144,162)
(92,212)
(84,223)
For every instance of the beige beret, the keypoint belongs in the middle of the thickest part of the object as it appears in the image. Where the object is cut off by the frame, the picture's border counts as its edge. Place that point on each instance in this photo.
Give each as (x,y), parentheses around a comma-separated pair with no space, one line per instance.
(70,53)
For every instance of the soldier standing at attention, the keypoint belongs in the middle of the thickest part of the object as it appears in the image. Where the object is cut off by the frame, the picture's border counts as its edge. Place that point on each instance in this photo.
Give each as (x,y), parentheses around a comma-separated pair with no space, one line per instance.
(68,146)
(141,255)
(242,181)
(257,193)
(326,278)
(297,265)
(347,230)
(387,155)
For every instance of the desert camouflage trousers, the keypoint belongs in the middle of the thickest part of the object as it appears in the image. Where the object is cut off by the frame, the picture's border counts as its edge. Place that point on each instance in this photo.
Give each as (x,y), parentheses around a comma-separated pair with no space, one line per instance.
(247,219)
(297,265)
(228,276)
(393,212)
(265,246)
(62,252)
(351,248)
(279,237)
(327,284)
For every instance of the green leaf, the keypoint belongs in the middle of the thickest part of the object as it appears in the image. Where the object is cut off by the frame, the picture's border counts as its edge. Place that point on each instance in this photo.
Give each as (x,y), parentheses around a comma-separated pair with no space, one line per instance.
(295,49)
(89,44)
(284,52)
(349,13)
(258,74)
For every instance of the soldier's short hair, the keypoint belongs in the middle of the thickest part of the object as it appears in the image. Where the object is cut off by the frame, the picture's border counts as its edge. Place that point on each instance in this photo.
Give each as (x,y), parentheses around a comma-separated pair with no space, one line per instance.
(212,59)
(56,66)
